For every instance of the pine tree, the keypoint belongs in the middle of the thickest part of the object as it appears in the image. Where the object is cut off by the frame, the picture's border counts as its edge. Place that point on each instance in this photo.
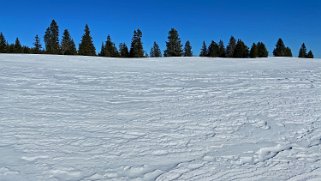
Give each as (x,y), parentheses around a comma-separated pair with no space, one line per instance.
(204,51)
(102,50)
(86,47)
(188,49)
(51,38)
(241,50)
(3,44)
(254,51)
(110,49)
(213,49)
(123,50)
(303,51)
(262,51)
(231,47)
(10,48)
(310,54)
(288,52)
(280,49)
(68,46)
(155,51)
(173,45)
(221,47)
(136,49)
(37,46)
(17,46)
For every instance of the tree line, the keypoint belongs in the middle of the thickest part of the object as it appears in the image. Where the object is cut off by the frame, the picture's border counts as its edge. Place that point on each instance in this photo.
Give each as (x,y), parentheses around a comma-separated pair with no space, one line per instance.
(174,47)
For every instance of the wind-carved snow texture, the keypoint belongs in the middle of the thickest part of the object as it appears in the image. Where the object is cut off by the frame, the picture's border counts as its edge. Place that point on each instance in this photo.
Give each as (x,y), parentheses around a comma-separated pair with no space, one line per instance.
(81,118)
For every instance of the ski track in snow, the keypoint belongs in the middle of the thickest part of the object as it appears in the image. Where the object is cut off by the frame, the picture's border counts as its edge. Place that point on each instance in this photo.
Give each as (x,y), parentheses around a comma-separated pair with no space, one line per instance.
(82,118)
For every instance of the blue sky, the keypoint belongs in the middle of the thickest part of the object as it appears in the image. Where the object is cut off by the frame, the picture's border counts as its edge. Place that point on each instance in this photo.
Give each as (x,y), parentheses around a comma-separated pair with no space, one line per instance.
(296,21)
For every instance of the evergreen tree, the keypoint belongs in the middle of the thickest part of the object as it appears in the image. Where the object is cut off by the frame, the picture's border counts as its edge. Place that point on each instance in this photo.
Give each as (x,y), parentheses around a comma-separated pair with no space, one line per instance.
(155,51)
(110,49)
(10,48)
(86,47)
(136,49)
(17,46)
(213,49)
(52,38)
(37,46)
(3,44)
(288,52)
(68,46)
(281,50)
(231,47)
(254,52)
(303,51)
(204,50)
(123,50)
(173,45)
(221,47)
(262,51)
(188,49)
(241,50)
(310,54)
(26,50)
(102,50)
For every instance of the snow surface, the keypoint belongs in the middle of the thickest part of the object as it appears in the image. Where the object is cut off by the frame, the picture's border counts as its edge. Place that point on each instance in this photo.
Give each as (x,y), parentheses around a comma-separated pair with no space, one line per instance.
(87,118)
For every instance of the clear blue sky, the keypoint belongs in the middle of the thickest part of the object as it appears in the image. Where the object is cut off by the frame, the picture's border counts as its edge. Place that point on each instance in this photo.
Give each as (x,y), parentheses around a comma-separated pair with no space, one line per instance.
(296,21)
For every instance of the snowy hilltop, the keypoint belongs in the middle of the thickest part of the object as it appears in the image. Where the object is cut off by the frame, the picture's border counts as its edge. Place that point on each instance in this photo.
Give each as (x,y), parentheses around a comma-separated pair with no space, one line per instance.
(91,118)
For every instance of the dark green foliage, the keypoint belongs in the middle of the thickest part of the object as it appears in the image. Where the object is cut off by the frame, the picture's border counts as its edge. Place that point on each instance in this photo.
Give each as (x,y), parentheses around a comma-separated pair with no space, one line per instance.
(221,49)
(26,50)
(68,46)
(303,51)
(254,51)
(3,44)
(136,49)
(102,50)
(173,45)
(281,50)
(188,49)
(288,52)
(204,50)
(37,48)
(213,49)
(17,46)
(123,50)
(310,54)
(86,47)
(262,50)
(51,38)
(231,47)
(155,51)
(109,49)
(241,50)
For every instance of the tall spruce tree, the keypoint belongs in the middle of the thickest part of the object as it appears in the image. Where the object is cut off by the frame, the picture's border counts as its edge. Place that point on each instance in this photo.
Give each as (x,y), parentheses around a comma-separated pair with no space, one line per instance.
(155,51)
(137,49)
(262,50)
(204,50)
(173,45)
(188,49)
(51,38)
(310,54)
(254,52)
(213,49)
(281,50)
(102,50)
(110,50)
(241,50)
(231,47)
(37,48)
(221,47)
(303,51)
(68,46)
(17,46)
(123,50)
(3,44)
(86,47)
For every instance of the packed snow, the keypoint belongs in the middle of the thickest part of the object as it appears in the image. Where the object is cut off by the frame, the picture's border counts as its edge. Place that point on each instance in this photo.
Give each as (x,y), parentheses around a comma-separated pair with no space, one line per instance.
(89,118)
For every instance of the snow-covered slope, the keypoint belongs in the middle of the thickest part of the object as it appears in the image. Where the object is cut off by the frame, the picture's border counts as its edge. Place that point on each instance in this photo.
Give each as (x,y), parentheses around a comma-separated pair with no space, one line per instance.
(80,118)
